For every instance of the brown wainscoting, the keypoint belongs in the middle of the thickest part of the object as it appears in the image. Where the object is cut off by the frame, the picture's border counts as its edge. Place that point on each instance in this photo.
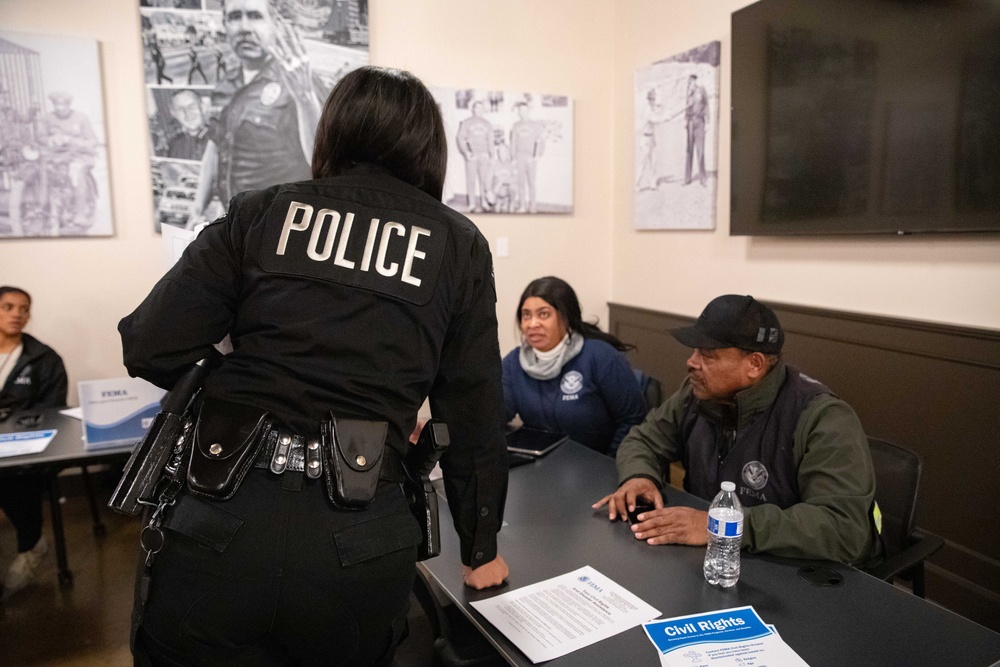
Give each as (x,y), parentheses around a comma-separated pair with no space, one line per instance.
(932,388)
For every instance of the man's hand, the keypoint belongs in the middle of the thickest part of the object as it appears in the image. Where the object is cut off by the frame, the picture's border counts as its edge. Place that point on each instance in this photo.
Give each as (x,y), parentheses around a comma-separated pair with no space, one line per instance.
(294,71)
(672,525)
(485,576)
(622,501)
(294,62)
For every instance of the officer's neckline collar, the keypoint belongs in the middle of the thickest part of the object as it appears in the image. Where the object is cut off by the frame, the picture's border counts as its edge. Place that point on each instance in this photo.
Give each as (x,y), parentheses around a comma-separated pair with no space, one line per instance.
(366,169)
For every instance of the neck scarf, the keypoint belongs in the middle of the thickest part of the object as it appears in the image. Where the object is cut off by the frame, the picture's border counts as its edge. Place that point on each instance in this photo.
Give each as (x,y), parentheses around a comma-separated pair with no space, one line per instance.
(550,365)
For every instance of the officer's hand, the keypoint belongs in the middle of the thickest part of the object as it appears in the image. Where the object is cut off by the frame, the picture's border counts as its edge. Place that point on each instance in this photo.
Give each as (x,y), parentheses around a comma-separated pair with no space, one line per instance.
(415,435)
(673,525)
(485,576)
(622,501)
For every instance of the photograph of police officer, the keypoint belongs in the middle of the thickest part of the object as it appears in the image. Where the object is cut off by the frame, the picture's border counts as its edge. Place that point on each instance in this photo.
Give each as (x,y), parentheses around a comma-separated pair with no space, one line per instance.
(263,66)
(676,137)
(179,46)
(509,152)
(178,125)
(53,161)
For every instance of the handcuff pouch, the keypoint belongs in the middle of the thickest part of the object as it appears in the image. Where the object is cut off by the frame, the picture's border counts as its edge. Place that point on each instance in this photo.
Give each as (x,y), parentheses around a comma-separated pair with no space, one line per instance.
(226,439)
(354,449)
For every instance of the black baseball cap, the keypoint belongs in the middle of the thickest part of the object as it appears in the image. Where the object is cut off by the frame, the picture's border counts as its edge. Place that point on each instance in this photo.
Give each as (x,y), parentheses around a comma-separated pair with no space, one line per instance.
(734,320)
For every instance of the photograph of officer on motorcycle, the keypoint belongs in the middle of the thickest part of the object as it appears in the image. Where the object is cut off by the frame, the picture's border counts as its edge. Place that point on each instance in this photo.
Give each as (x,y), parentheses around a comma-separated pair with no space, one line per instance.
(53,165)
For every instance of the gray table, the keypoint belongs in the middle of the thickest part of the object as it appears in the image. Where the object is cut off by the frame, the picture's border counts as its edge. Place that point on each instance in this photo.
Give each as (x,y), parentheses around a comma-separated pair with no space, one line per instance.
(65,451)
(551,530)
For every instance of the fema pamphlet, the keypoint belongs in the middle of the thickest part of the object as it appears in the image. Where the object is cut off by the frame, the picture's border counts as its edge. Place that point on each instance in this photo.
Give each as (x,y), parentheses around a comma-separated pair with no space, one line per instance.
(28,442)
(560,615)
(728,638)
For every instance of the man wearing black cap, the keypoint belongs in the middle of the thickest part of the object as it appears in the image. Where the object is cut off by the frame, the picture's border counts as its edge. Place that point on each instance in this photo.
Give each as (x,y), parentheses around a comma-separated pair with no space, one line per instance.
(797,454)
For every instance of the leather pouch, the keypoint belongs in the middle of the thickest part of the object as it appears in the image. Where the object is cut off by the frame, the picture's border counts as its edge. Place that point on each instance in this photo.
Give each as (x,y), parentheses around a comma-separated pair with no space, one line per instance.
(226,439)
(354,450)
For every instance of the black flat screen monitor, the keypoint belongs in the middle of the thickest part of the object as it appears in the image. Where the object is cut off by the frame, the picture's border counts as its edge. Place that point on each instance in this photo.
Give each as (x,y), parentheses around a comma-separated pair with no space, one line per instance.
(865,117)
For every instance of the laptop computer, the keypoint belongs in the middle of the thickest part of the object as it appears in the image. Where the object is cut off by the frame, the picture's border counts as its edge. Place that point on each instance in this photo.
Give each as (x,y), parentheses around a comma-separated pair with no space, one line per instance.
(533,441)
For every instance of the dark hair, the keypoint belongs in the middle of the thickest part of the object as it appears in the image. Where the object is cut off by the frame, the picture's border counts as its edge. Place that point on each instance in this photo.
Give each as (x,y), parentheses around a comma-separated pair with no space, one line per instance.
(558,294)
(7,289)
(386,117)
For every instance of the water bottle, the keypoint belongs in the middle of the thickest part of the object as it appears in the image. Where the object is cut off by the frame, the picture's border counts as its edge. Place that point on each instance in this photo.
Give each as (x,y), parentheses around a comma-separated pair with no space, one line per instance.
(725,535)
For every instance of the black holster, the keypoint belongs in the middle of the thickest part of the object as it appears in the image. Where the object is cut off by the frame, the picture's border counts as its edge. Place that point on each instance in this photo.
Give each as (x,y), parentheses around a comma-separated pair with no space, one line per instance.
(420,493)
(165,438)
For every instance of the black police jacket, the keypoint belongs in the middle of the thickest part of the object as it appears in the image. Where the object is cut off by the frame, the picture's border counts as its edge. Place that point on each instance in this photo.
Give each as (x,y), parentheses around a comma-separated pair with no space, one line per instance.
(358,295)
(38,379)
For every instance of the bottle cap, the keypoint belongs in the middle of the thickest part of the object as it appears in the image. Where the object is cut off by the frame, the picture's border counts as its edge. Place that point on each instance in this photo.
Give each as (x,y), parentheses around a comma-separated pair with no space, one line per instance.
(728,486)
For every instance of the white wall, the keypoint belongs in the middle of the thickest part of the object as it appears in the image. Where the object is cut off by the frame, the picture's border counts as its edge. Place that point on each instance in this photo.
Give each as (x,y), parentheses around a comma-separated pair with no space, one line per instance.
(587,49)
(82,287)
(953,279)
(546,46)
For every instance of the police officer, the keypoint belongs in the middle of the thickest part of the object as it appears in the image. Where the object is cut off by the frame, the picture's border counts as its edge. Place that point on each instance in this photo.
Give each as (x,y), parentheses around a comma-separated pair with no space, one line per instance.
(357,294)
(475,143)
(527,143)
(16,132)
(264,135)
(70,140)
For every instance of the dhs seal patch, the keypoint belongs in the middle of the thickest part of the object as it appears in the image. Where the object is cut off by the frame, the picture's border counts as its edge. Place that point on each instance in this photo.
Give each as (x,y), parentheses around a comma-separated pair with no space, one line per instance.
(755,475)
(571,383)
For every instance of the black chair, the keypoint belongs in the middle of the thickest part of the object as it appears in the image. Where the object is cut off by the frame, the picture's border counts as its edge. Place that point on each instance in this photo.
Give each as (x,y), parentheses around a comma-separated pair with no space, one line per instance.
(897,481)
(457,643)
(652,390)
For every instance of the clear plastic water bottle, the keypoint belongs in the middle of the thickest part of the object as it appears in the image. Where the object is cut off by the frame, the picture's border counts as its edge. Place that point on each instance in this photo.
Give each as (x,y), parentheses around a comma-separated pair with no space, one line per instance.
(725,535)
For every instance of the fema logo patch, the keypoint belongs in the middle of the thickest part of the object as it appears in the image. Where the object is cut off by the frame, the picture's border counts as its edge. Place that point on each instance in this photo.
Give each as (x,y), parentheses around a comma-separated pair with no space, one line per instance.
(755,475)
(571,383)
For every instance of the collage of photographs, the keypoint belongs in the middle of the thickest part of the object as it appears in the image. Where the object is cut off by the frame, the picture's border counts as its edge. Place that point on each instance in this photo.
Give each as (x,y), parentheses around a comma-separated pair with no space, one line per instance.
(232,85)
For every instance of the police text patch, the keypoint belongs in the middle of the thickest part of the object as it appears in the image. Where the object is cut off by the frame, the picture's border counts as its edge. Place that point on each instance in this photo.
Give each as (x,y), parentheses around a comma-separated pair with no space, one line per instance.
(390,251)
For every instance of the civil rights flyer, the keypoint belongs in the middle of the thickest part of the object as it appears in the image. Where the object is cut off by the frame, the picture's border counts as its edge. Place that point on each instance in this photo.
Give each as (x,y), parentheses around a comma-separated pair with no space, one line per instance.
(560,615)
(728,638)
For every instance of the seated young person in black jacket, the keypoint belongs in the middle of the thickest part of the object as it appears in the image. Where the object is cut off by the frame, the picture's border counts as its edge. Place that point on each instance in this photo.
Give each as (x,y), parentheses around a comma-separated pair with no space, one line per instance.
(32,376)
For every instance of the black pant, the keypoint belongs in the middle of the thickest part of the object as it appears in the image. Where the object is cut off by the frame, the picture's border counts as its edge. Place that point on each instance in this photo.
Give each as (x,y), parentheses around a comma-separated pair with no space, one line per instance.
(280,577)
(21,501)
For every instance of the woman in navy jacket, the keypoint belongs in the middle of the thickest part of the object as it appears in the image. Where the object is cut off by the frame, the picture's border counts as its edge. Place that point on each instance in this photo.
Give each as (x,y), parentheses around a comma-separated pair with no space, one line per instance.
(568,375)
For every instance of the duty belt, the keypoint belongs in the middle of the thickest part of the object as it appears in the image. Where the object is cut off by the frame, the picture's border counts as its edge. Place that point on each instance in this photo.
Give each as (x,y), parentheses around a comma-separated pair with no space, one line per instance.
(285,451)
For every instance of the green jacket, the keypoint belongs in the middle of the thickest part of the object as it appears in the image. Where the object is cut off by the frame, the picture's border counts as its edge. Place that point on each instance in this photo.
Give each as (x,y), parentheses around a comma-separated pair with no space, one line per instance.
(835,477)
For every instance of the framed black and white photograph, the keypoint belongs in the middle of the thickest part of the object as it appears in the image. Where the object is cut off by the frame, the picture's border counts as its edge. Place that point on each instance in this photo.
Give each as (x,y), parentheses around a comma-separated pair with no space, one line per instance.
(234,92)
(676,140)
(508,152)
(53,158)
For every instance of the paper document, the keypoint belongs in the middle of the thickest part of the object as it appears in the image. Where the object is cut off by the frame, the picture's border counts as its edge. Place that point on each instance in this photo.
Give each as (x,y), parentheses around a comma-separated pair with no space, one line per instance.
(28,442)
(728,638)
(75,413)
(175,240)
(565,613)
